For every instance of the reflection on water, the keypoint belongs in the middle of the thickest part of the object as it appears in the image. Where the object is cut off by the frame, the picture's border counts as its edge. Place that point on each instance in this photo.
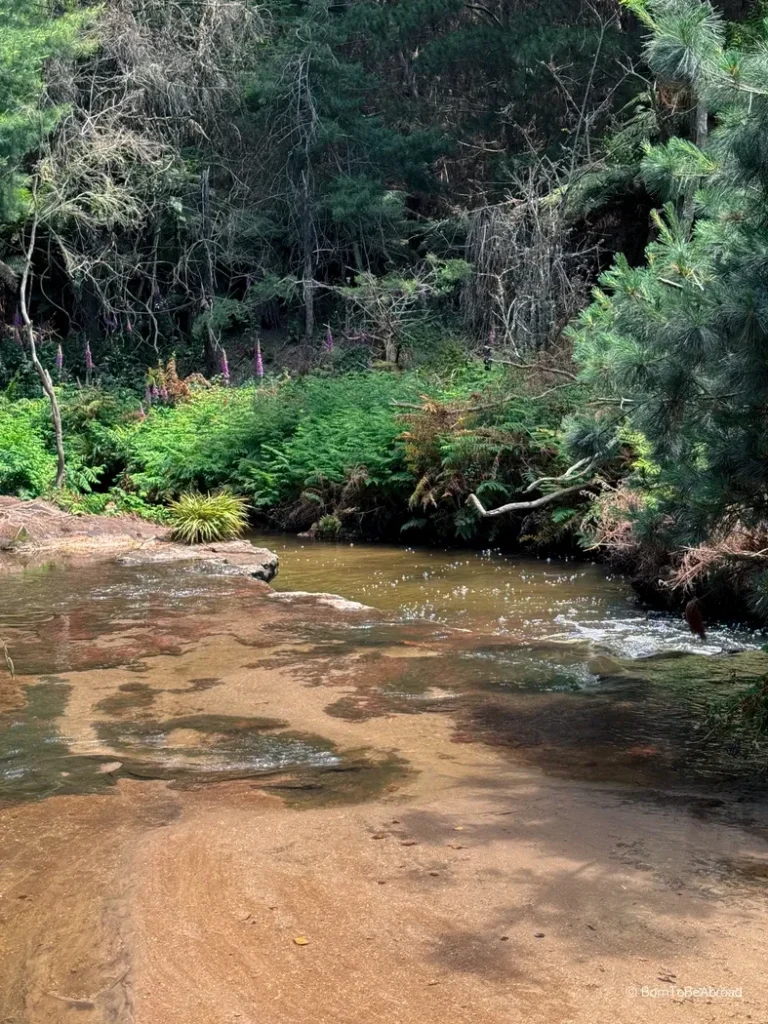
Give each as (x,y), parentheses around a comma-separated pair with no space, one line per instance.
(60,619)
(35,759)
(552,660)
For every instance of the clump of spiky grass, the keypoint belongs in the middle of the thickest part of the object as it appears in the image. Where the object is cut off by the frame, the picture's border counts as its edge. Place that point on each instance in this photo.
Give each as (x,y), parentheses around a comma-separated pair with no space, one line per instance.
(204,518)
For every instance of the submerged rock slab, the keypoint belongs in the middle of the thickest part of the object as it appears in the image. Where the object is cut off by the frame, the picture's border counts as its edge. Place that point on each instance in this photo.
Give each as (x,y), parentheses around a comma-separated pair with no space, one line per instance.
(341,604)
(230,558)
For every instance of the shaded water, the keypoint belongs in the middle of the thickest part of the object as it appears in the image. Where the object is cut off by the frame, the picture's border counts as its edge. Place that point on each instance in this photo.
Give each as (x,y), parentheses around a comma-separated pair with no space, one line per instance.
(163,672)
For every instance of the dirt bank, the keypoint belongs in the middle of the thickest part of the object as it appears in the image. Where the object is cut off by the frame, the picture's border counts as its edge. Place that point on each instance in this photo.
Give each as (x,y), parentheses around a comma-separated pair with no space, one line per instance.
(410,879)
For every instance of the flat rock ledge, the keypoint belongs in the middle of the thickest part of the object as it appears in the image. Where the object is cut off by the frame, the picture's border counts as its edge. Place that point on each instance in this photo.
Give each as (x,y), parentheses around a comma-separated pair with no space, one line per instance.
(227,558)
(38,533)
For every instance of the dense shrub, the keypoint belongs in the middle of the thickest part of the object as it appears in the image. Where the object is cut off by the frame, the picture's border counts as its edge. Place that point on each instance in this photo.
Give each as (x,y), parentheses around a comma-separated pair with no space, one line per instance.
(371,452)
(27,462)
(273,443)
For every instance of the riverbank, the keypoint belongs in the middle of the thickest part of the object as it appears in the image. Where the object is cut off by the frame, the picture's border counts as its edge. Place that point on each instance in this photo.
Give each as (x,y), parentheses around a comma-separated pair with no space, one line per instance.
(388,457)
(35,533)
(223,807)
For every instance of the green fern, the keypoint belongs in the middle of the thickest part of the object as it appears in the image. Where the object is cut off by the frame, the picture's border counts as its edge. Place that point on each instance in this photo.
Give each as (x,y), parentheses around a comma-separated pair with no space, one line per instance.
(203,518)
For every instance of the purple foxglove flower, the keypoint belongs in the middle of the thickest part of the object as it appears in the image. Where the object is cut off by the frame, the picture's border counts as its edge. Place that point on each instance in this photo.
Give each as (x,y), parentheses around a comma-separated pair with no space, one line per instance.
(224,366)
(59,358)
(148,396)
(164,393)
(328,340)
(258,363)
(155,393)
(88,357)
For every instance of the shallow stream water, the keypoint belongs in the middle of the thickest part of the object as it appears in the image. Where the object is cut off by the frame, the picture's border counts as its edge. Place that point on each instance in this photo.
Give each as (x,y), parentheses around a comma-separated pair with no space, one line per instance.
(521,599)
(164,671)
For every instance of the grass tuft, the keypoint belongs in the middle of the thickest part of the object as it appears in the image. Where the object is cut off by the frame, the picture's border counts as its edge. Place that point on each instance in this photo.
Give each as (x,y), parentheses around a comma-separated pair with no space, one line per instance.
(204,518)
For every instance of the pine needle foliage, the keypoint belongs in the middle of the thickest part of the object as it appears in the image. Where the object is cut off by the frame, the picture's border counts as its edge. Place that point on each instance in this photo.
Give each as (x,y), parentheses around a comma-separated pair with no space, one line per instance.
(679,343)
(676,345)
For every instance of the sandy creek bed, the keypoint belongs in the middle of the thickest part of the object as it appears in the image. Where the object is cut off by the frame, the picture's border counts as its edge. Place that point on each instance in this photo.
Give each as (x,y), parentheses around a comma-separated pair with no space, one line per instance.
(466,808)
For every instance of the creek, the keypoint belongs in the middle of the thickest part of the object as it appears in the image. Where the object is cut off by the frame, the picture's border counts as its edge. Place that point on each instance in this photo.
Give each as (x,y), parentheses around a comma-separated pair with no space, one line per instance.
(156,671)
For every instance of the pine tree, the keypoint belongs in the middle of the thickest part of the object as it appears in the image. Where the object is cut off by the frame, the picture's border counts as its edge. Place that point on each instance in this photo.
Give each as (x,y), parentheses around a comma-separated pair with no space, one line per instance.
(682,341)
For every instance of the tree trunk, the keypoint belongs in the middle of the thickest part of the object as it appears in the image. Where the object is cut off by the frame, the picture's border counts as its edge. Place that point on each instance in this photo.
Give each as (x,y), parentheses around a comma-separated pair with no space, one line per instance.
(391,349)
(308,273)
(42,373)
(701,132)
(702,124)
(207,271)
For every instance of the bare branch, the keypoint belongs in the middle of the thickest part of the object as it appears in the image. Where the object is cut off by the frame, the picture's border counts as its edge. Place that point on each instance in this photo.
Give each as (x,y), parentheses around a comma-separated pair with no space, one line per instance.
(583,466)
(533,366)
(8,659)
(527,506)
(29,330)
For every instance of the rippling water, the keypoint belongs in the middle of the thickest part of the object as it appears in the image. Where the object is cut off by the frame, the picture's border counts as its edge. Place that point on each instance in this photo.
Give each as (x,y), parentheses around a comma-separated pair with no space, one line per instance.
(553,660)
(486,592)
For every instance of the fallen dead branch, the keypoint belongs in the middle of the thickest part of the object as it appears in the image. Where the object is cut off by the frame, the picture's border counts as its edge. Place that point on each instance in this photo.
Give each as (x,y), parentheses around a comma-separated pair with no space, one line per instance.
(740,545)
(527,506)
